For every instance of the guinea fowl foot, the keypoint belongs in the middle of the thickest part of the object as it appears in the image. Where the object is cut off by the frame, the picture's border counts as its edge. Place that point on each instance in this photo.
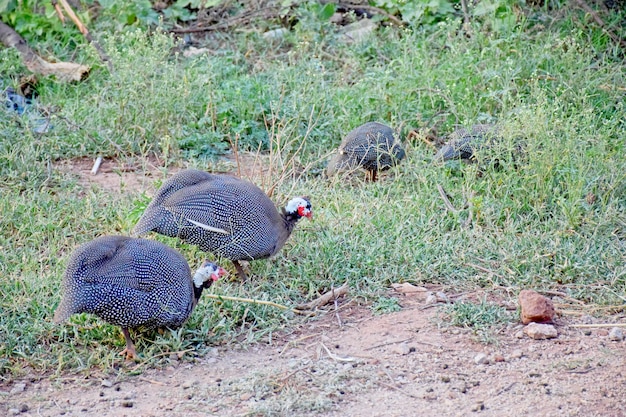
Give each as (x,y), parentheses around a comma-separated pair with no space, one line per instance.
(130,352)
(240,272)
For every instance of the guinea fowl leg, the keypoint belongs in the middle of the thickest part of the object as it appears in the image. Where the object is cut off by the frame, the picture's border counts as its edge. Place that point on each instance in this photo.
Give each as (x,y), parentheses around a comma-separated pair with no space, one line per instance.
(130,352)
(240,272)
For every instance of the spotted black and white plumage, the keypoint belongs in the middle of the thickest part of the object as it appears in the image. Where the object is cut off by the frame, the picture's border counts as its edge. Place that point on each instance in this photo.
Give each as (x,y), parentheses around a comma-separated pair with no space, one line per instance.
(371,146)
(132,283)
(221,214)
(464,143)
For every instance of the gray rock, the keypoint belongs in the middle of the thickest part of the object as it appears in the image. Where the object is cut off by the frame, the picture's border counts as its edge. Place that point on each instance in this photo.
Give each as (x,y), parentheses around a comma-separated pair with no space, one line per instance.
(616,334)
(106,383)
(18,388)
(481,359)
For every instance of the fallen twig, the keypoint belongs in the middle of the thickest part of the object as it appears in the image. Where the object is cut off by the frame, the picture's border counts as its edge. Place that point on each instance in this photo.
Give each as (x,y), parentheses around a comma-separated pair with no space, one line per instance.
(337,357)
(446,200)
(326,298)
(246,300)
(589,326)
(83,29)
(64,71)
(152,381)
(389,343)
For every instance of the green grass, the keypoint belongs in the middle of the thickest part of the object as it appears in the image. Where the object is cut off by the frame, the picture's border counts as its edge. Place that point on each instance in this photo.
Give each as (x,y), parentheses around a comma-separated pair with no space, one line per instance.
(552,219)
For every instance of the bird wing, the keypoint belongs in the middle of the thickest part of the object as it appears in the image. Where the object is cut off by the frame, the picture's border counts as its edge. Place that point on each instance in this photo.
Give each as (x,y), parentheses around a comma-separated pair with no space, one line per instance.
(204,207)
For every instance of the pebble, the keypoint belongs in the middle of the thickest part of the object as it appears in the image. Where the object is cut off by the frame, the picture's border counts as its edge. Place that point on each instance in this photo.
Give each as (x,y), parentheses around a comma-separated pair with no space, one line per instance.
(127,404)
(517,354)
(23,408)
(541,331)
(14,411)
(402,349)
(478,406)
(519,334)
(481,359)
(498,358)
(106,383)
(18,388)
(616,334)
(246,396)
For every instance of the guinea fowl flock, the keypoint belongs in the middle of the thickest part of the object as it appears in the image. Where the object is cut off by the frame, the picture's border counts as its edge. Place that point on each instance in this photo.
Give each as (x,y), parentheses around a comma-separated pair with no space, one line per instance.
(141,284)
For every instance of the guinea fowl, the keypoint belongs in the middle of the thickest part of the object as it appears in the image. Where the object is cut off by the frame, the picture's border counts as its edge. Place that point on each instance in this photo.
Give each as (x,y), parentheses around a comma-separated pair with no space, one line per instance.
(221,214)
(371,146)
(464,143)
(132,283)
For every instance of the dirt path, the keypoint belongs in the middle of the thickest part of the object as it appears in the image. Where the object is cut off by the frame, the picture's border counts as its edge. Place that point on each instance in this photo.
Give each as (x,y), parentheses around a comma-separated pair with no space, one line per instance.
(398,364)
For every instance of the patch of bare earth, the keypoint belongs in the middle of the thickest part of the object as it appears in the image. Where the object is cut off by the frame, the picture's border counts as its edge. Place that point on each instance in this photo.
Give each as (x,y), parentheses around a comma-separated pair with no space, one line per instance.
(354,363)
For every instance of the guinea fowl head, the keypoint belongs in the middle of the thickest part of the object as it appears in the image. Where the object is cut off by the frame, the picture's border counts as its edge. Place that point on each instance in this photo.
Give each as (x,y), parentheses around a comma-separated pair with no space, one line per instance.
(207,274)
(298,207)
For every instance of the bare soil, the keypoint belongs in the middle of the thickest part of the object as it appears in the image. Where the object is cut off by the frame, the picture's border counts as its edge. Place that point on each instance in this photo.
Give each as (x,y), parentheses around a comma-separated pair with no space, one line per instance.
(353,363)
(350,362)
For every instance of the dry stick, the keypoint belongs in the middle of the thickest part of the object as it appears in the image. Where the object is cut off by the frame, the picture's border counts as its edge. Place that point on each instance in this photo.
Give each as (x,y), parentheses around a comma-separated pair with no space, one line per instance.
(267,13)
(246,300)
(389,343)
(562,295)
(446,201)
(482,268)
(152,381)
(325,298)
(83,29)
(372,9)
(295,342)
(64,71)
(337,357)
(589,326)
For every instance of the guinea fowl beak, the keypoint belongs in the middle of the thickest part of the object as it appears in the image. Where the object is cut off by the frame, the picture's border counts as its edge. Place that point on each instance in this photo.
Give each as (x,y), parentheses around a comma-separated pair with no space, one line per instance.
(305,212)
(220,273)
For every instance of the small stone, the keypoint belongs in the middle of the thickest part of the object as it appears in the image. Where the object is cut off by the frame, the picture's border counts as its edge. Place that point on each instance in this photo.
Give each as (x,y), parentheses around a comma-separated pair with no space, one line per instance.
(431,298)
(445,378)
(23,408)
(18,388)
(587,332)
(14,411)
(519,334)
(246,396)
(616,334)
(402,349)
(187,384)
(106,383)
(442,297)
(535,307)
(602,332)
(481,359)
(211,360)
(540,331)
(517,354)
(498,358)
(479,406)
(127,404)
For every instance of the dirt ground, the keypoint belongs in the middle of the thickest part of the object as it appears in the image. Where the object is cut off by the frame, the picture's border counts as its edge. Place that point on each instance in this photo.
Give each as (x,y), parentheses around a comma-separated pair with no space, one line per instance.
(354,363)
(350,362)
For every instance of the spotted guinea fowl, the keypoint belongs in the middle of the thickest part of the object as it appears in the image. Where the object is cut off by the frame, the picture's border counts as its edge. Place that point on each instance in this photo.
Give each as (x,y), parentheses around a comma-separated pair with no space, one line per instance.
(464,143)
(221,214)
(371,146)
(132,283)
